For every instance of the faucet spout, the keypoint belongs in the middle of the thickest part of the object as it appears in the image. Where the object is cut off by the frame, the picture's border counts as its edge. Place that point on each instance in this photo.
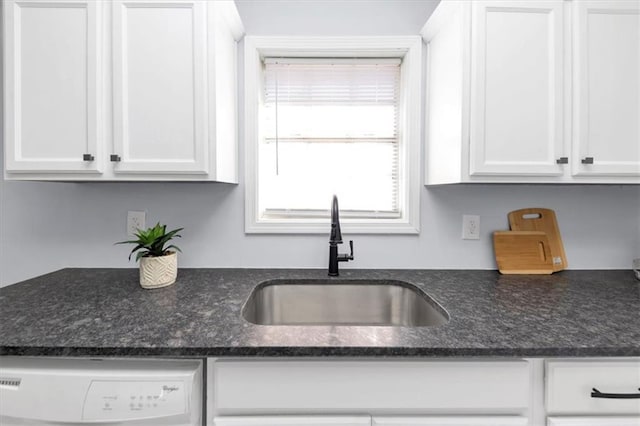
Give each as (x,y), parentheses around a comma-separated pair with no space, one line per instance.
(335,238)
(336,233)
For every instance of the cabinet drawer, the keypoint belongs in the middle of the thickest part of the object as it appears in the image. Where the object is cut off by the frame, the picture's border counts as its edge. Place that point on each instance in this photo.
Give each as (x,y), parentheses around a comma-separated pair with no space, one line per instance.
(593,421)
(293,421)
(293,387)
(569,386)
(450,421)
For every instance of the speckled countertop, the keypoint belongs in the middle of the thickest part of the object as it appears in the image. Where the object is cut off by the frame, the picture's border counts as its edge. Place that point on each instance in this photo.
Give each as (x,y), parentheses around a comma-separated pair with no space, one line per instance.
(104,312)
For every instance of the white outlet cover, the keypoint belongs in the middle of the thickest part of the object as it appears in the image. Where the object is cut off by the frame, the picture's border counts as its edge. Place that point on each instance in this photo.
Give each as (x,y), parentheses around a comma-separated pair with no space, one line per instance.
(470,227)
(135,221)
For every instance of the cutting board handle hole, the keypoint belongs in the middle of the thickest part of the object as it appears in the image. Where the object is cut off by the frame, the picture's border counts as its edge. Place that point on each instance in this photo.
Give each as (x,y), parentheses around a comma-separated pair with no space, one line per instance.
(532,216)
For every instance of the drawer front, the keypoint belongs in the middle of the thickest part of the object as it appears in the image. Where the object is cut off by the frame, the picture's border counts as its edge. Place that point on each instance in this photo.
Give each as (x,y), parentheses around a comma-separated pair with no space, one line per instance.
(569,387)
(593,421)
(451,421)
(374,387)
(293,421)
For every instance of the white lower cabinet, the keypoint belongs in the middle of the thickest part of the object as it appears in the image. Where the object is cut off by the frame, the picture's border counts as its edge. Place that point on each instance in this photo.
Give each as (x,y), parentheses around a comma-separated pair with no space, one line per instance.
(369,392)
(437,392)
(371,387)
(450,421)
(581,392)
(593,421)
(369,421)
(293,421)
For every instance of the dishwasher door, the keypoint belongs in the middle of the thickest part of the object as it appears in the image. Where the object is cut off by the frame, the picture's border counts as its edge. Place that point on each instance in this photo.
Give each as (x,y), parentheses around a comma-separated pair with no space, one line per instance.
(123,392)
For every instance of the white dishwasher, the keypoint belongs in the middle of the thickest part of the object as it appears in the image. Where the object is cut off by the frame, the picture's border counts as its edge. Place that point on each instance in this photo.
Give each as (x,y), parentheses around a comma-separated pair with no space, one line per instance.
(55,391)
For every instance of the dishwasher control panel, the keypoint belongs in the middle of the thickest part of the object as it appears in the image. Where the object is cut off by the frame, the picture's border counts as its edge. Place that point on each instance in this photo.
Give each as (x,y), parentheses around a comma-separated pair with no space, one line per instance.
(116,400)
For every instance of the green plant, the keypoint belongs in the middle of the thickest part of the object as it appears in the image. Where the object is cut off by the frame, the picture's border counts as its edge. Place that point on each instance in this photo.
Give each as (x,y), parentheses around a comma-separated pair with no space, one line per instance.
(151,242)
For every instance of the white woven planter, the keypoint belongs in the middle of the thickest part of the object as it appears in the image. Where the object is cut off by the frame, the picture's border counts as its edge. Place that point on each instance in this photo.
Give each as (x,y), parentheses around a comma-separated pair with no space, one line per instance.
(156,272)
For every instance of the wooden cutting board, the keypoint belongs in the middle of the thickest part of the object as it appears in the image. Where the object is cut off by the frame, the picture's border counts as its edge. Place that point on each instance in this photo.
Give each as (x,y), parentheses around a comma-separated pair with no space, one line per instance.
(544,220)
(522,252)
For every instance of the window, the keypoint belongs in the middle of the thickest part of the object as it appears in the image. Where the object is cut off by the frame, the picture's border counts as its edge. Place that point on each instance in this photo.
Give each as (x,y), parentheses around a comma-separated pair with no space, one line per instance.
(321,119)
(335,121)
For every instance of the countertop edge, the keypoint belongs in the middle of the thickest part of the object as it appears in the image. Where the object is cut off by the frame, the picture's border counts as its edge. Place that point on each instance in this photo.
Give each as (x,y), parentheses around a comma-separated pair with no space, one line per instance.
(319,352)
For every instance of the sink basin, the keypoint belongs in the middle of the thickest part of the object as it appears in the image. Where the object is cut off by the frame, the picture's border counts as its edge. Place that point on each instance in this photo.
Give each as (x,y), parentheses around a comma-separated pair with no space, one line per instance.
(342,302)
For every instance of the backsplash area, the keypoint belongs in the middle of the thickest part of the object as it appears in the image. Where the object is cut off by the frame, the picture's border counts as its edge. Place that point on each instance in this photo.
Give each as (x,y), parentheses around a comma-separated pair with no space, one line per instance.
(48,226)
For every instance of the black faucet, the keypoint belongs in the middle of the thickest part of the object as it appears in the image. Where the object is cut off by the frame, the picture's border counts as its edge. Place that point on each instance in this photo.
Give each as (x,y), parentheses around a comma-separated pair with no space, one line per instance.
(335,238)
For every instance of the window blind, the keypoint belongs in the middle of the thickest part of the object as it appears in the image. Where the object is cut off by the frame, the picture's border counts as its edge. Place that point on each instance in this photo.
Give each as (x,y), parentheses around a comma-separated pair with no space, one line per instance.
(330,127)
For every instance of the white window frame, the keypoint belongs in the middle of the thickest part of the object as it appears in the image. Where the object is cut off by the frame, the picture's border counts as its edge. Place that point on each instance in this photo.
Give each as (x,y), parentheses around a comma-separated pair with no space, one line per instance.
(409,49)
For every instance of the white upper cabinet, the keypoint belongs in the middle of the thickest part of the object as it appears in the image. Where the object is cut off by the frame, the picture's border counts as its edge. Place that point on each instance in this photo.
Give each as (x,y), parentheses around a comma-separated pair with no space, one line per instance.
(159,86)
(516,88)
(121,90)
(606,66)
(52,97)
(531,91)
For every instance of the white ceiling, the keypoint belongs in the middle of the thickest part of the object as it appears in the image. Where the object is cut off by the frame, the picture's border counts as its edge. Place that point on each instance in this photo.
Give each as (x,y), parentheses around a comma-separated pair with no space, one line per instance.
(335,17)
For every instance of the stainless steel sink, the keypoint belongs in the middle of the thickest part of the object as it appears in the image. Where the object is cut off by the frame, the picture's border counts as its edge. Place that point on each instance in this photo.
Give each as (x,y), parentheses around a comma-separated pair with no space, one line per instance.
(342,302)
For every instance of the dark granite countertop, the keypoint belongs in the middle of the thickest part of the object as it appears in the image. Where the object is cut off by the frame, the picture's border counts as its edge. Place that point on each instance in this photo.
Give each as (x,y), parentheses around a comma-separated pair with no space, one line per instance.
(104,312)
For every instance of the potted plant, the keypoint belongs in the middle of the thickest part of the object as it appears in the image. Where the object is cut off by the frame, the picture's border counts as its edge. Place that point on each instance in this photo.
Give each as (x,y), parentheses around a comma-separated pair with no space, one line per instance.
(158,261)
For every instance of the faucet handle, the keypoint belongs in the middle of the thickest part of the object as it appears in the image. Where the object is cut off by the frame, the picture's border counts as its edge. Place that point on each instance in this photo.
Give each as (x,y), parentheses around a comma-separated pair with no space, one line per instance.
(344,257)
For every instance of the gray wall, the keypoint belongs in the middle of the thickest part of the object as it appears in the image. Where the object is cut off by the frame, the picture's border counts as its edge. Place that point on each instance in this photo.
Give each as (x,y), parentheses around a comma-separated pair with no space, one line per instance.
(47,226)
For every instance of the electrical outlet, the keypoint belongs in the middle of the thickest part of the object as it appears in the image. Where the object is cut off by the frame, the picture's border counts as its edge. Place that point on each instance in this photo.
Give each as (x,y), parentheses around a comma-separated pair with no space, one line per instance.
(470,227)
(135,221)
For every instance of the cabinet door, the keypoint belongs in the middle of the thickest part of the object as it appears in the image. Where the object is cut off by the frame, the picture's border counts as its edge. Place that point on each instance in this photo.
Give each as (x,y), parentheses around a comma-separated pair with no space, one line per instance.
(293,421)
(450,421)
(593,421)
(159,86)
(52,65)
(517,88)
(606,128)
